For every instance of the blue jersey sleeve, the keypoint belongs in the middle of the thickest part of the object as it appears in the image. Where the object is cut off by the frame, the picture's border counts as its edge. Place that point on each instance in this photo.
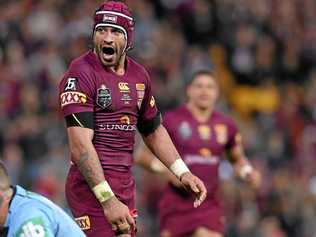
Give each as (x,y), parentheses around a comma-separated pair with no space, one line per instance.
(41,221)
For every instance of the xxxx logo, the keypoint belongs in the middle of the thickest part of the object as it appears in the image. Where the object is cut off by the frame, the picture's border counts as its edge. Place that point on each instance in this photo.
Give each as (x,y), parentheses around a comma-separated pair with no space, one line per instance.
(72,97)
(83,222)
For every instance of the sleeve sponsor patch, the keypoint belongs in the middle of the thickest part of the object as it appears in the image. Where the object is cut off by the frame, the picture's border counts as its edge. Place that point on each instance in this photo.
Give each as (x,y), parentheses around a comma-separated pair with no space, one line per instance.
(72,97)
(83,222)
(32,228)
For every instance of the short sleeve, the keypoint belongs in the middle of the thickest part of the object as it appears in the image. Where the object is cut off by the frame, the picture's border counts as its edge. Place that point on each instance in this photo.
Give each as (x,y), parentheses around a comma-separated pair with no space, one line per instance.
(167,121)
(234,136)
(76,92)
(149,108)
(31,223)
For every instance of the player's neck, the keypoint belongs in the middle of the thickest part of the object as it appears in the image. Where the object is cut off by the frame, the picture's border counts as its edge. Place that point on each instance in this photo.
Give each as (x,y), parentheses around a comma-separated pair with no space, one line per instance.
(119,69)
(201,115)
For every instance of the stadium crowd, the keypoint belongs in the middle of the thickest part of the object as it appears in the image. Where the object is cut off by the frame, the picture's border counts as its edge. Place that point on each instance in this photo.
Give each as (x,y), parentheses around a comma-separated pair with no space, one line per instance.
(262,51)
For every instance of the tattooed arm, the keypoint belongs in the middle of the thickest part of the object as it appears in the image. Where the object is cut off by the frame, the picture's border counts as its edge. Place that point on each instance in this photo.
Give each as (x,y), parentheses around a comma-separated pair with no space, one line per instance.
(84,155)
(86,158)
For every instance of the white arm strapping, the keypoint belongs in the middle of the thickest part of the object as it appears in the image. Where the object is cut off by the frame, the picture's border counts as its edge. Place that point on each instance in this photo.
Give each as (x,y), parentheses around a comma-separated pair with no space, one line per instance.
(103,191)
(178,168)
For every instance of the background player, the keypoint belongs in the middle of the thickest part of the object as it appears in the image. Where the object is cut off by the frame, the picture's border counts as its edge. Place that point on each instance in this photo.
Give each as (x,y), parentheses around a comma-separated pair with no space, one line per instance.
(105,96)
(202,135)
(26,214)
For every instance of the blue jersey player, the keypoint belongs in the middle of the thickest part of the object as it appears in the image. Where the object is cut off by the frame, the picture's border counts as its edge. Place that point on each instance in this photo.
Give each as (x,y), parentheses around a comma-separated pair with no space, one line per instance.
(27,214)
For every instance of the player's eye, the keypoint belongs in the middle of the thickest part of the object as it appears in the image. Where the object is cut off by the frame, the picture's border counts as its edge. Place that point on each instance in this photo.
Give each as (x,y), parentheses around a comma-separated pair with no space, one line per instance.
(117,31)
(100,29)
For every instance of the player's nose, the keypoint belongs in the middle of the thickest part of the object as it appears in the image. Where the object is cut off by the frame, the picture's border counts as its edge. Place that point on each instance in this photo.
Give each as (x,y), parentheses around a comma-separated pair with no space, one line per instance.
(108,38)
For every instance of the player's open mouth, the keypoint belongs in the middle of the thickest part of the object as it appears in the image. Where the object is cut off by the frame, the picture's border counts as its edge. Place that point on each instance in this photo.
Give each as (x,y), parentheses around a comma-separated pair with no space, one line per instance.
(108,53)
(108,50)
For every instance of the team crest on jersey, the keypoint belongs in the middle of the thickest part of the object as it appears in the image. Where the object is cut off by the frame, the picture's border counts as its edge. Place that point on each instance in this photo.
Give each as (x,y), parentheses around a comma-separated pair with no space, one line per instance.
(83,222)
(104,99)
(221,133)
(204,132)
(185,130)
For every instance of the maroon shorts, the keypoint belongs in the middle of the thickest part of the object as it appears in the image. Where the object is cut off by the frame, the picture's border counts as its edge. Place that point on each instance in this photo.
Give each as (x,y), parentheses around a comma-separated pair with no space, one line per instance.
(85,208)
(178,216)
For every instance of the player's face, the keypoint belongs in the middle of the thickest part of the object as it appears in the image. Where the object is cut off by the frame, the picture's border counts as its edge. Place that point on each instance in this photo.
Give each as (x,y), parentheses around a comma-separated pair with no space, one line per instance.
(109,43)
(203,91)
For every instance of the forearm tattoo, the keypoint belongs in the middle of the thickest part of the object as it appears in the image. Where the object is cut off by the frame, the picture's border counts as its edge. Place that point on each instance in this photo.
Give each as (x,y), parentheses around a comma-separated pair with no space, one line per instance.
(87,169)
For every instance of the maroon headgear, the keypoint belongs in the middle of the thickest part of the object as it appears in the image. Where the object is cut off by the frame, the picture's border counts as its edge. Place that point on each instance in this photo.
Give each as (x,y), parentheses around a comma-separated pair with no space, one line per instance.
(116,14)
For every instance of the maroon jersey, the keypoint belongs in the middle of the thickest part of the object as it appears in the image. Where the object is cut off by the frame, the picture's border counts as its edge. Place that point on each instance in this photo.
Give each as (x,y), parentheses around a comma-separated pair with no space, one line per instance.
(201,146)
(118,103)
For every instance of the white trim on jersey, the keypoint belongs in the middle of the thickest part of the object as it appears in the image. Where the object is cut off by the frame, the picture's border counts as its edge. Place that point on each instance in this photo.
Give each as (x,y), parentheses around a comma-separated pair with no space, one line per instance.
(114,13)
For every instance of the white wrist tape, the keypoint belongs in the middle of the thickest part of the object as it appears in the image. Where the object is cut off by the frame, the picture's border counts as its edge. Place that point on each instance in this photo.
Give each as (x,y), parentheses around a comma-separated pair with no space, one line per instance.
(178,168)
(245,170)
(103,191)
